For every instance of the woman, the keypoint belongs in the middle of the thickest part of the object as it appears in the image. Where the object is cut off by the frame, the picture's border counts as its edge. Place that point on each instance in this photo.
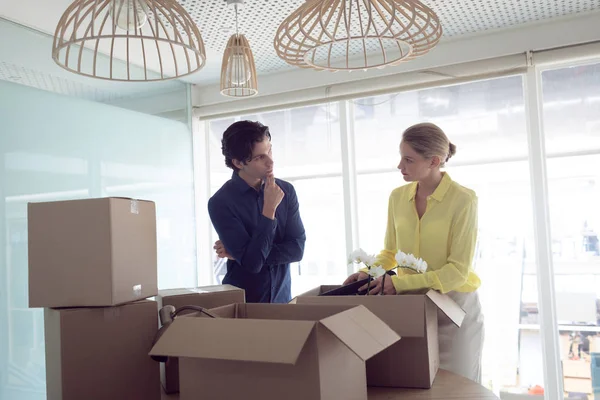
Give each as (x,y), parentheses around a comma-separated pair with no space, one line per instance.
(435,219)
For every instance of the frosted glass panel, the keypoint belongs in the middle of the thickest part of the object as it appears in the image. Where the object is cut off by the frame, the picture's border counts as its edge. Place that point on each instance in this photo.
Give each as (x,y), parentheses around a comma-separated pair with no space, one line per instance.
(54,147)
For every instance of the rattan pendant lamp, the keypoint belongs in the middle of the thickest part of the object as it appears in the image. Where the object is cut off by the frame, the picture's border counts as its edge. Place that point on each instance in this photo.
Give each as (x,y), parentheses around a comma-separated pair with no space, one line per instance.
(238,71)
(101,39)
(347,35)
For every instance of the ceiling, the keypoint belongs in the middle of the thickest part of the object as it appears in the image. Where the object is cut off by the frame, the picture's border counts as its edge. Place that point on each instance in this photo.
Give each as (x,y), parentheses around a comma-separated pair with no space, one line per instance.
(25,59)
(259,19)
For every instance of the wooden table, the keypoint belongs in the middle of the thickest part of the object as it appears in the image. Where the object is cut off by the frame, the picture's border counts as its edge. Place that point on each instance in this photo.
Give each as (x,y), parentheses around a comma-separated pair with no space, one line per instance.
(447,386)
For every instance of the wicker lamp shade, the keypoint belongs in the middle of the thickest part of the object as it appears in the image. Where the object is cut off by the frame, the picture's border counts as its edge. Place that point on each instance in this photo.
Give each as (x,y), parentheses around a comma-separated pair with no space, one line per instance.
(238,71)
(340,35)
(100,39)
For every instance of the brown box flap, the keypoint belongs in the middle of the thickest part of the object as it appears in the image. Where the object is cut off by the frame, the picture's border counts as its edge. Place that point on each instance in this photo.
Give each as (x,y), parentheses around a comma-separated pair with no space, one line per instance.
(361,331)
(289,312)
(127,198)
(228,311)
(447,306)
(313,292)
(164,293)
(234,339)
(398,312)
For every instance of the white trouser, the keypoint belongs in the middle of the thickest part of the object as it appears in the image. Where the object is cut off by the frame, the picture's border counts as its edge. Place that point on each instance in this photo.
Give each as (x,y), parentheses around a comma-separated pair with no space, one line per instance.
(461,348)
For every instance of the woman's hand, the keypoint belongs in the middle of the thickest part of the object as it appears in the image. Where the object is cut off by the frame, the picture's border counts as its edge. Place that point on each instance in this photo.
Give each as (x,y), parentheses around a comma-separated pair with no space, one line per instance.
(376,286)
(357,276)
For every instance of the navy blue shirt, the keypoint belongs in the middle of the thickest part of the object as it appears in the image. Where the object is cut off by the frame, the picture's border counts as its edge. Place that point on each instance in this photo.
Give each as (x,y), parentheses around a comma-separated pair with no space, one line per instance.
(263,248)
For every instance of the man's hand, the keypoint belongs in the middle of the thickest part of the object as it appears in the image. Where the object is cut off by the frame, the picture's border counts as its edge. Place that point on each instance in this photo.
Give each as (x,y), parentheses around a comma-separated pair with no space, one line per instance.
(221,252)
(357,276)
(376,286)
(273,197)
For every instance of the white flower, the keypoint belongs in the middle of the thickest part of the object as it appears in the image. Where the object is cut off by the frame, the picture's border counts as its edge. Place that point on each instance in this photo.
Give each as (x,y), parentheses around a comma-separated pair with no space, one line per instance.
(369,260)
(422,266)
(410,261)
(359,256)
(401,258)
(377,271)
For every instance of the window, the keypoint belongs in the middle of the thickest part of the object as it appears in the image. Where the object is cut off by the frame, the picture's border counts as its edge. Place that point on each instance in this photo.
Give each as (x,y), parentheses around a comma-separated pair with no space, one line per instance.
(321,207)
(485,119)
(571,111)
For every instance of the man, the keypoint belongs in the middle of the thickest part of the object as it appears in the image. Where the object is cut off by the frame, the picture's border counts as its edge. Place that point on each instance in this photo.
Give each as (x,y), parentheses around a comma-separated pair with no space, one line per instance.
(256,217)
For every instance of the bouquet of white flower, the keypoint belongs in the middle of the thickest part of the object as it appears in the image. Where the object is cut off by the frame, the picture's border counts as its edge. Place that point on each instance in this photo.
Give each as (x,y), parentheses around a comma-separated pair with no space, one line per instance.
(411,262)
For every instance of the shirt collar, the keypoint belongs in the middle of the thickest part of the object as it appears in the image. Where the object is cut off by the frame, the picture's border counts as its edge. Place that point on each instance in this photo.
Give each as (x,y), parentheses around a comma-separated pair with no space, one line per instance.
(438,193)
(443,187)
(241,184)
(412,192)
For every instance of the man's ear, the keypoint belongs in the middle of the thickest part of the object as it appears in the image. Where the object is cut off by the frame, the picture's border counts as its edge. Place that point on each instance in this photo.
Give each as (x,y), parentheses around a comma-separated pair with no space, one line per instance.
(237,163)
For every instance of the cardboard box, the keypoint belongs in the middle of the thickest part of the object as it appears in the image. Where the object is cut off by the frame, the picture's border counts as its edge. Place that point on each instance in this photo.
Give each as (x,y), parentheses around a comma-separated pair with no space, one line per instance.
(207,297)
(577,385)
(412,362)
(91,252)
(101,353)
(577,369)
(276,351)
(522,395)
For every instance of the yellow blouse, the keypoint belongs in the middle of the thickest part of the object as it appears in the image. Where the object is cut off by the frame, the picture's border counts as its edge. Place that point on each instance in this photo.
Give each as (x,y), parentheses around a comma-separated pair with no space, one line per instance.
(445,237)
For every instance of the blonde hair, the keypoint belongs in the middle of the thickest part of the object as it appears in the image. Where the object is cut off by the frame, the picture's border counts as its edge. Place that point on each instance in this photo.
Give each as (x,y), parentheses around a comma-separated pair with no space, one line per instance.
(429,140)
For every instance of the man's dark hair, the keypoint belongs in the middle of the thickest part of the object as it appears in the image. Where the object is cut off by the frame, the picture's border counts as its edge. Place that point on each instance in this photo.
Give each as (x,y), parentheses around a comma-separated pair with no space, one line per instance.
(238,141)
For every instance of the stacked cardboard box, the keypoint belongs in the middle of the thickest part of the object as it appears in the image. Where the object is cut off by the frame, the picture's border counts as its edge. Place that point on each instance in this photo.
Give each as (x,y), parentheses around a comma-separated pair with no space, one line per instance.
(92,264)
(577,376)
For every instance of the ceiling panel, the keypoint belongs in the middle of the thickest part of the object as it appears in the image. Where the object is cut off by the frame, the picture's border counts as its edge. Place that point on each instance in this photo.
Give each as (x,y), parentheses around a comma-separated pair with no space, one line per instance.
(259,20)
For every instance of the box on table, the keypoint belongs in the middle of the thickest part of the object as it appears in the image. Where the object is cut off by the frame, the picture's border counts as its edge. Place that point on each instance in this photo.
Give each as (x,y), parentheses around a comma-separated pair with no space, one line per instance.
(577,369)
(506,394)
(91,252)
(414,361)
(278,351)
(101,353)
(207,297)
(578,385)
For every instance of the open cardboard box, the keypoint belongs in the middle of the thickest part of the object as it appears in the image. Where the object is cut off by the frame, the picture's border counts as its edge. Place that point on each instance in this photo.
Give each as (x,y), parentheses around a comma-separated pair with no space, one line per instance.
(207,297)
(276,351)
(412,362)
